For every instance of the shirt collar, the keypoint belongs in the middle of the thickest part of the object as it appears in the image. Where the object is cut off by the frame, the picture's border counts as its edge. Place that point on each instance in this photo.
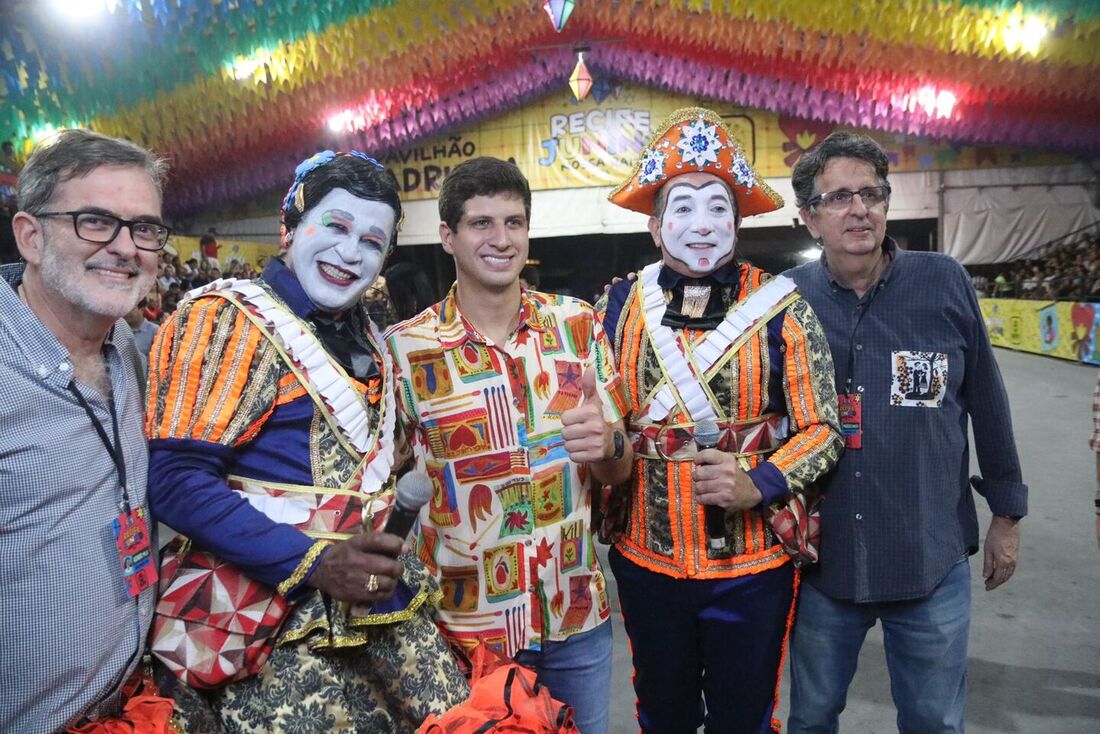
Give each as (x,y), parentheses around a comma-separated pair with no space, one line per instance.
(285,284)
(455,329)
(728,274)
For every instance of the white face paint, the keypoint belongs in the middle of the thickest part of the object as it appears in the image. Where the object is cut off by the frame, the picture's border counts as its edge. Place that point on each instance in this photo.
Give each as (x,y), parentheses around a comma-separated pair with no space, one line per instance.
(697,231)
(338,248)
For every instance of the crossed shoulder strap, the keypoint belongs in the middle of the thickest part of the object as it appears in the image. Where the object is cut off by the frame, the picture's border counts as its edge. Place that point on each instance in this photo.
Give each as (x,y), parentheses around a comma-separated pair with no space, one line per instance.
(687,368)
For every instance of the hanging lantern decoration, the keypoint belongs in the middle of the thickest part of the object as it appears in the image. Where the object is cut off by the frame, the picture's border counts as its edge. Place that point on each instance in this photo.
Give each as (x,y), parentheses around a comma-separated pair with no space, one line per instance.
(559,12)
(580,81)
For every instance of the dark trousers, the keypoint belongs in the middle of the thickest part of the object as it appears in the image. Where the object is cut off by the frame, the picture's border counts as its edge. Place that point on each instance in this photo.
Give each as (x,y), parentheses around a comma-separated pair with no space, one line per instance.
(705,651)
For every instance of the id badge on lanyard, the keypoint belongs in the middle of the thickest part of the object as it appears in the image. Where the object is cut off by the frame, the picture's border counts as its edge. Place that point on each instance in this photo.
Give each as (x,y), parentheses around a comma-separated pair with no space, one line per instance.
(850,405)
(131,531)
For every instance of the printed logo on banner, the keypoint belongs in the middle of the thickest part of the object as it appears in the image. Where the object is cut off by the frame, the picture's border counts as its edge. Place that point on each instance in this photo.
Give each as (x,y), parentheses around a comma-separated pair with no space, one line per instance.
(919,379)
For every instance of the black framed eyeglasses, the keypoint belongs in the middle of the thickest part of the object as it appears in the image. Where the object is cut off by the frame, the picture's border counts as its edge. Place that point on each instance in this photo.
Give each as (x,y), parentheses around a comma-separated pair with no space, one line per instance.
(102,229)
(841,199)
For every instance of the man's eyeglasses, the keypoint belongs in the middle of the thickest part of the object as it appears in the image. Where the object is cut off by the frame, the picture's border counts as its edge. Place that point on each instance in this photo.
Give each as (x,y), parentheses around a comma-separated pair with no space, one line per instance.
(840,200)
(103,228)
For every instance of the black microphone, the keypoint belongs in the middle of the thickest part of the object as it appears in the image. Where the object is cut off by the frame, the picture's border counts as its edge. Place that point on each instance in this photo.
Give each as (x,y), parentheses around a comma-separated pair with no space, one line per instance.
(706,437)
(414,489)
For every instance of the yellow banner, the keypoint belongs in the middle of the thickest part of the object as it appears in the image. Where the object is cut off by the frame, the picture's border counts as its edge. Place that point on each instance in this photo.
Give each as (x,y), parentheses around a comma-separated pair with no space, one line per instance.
(559,143)
(1060,329)
(229,251)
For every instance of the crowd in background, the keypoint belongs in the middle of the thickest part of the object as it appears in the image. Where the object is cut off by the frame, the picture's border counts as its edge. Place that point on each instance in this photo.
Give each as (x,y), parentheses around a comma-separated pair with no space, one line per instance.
(1069,270)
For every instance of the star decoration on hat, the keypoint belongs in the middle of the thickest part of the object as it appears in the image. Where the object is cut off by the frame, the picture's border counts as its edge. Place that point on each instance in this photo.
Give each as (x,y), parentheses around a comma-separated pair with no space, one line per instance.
(742,171)
(653,167)
(699,144)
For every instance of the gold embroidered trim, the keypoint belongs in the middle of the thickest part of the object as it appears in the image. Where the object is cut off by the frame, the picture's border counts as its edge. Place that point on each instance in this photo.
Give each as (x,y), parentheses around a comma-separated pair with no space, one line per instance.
(304,567)
(329,642)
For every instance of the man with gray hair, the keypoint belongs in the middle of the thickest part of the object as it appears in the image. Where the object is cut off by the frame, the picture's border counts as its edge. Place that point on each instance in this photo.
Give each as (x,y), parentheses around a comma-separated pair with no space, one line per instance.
(76,557)
(913,364)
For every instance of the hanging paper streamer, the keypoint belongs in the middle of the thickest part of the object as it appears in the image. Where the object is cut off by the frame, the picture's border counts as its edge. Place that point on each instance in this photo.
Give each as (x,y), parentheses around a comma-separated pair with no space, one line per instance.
(559,12)
(235,93)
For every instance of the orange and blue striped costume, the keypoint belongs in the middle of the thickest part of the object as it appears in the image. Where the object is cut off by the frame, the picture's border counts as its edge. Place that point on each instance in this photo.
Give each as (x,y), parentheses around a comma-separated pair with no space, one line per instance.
(784,368)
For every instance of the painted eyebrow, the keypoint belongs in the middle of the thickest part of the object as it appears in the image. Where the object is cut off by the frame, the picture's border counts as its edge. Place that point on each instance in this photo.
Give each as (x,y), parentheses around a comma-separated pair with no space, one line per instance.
(723,193)
(348,218)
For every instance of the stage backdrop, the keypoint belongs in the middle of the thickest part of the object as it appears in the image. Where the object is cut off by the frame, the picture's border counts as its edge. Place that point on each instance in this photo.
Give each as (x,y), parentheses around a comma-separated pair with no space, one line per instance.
(1060,329)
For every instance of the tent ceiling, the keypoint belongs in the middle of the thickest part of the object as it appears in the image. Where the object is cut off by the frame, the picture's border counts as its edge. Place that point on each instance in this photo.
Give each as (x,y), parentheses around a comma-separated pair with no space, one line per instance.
(236,92)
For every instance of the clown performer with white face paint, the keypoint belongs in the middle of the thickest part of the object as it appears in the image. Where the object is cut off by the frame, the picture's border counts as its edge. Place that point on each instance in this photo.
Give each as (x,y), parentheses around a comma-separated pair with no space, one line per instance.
(710,346)
(271,435)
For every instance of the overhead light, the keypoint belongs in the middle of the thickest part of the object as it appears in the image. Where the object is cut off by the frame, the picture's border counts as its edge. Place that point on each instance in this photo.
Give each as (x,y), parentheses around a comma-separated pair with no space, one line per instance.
(340,122)
(934,102)
(1024,34)
(78,10)
(242,68)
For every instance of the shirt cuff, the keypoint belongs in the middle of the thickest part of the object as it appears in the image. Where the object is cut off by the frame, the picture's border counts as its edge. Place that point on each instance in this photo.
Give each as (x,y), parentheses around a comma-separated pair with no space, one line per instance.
(301,574)
(771,483)
(1003,497)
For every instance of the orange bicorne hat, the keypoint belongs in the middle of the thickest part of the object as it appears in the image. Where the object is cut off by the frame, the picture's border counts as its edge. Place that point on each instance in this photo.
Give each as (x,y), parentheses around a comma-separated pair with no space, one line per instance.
(691,140)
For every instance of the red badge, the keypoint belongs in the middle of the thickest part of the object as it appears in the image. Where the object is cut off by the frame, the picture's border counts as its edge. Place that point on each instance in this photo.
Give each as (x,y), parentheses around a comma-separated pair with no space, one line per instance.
(131,531)
(851,419)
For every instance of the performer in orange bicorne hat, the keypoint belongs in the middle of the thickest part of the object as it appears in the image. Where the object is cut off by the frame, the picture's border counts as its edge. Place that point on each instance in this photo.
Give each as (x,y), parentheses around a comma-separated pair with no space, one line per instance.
(707,344)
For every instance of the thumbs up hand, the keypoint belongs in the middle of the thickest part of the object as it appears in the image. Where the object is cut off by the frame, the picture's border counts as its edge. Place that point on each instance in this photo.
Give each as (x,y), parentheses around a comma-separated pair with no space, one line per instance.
(587,437)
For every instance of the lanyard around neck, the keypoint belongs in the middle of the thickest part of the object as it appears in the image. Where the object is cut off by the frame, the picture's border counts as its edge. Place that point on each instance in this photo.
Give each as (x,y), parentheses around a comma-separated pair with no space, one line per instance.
(115,450)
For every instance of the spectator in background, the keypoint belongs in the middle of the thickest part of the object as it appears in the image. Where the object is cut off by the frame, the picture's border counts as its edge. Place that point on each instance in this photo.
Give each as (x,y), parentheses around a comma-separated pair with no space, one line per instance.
(144,331)
(153,310)
(208,248)
(409,289)
(8,161)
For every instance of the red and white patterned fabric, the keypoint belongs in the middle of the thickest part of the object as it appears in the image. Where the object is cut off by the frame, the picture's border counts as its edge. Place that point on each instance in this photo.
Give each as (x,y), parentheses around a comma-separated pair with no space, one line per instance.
(213,623)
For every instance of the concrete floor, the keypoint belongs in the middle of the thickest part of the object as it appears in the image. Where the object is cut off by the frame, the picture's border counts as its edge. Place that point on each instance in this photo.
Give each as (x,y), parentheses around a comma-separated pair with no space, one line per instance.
(1035,642)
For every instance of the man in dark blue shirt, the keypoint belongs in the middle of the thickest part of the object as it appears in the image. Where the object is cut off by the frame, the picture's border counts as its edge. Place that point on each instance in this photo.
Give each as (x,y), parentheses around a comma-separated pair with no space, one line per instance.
(913,366)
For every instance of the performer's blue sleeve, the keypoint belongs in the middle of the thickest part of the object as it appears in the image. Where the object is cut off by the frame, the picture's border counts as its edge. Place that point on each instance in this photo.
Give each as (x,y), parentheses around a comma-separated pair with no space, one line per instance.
(187,492)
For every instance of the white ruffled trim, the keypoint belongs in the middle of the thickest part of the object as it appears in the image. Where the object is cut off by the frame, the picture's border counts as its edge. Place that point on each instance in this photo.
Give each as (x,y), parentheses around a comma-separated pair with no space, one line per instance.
(318,366)
(677,369)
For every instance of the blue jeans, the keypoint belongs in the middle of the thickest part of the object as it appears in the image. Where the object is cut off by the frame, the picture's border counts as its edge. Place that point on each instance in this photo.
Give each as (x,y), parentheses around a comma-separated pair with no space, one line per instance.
(577,670)
(925,641)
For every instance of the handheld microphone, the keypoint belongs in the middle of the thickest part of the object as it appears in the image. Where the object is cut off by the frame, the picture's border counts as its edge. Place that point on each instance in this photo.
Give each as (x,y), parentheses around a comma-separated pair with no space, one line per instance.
(706,437)
(414,489)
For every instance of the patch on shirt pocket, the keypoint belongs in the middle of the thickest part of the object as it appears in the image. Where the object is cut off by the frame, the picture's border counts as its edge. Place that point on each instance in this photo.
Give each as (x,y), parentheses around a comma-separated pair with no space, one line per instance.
(919,379)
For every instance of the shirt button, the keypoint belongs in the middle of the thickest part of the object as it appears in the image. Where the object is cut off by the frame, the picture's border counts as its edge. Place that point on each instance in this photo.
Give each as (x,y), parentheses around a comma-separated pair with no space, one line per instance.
(859,347)
(43,370)
(64,366)
(859,516)
(516,402)
(859,389)
(859,474)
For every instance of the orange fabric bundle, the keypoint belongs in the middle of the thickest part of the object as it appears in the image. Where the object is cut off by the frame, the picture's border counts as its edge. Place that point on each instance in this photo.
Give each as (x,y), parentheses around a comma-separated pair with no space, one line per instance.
(145,712)
(504,697)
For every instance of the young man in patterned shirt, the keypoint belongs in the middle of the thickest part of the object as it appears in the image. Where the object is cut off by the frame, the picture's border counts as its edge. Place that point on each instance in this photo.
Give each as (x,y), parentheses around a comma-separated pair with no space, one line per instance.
(512,404)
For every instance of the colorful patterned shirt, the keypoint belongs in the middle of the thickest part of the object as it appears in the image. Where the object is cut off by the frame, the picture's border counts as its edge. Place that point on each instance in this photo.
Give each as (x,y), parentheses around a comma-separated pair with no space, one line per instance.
(508,529)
